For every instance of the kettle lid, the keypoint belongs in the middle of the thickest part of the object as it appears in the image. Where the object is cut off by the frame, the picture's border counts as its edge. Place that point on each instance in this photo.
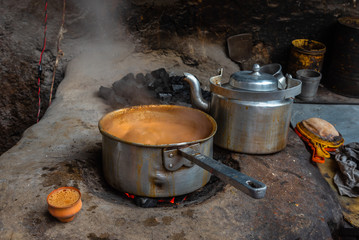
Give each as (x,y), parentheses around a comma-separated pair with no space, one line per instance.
(254,80)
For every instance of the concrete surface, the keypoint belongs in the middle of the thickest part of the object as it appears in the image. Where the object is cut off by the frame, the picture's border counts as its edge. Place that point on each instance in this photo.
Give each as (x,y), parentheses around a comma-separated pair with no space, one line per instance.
(64,149)
(343,117)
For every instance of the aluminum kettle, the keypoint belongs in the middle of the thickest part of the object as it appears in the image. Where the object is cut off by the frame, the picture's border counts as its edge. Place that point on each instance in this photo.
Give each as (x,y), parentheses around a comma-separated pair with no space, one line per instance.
(252,114)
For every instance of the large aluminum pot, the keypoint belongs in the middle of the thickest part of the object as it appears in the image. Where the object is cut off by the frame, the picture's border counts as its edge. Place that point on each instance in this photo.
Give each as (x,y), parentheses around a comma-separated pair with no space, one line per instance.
(165,169)
(252,113)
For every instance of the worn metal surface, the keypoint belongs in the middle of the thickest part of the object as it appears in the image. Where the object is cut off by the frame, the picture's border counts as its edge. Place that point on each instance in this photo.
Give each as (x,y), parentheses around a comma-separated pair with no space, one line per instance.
(254,80)
(310,82)
(240,47)
(251,127)
(276,70)
(220,87)
(249,123)
(139,169)
(196,95)
(173,161)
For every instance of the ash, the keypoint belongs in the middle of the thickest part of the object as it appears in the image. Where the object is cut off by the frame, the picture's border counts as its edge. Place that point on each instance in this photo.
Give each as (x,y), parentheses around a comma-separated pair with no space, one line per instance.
(156,87)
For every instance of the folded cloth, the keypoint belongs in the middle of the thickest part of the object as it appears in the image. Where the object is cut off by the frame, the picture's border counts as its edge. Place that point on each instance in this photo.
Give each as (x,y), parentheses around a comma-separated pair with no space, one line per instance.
(347,179)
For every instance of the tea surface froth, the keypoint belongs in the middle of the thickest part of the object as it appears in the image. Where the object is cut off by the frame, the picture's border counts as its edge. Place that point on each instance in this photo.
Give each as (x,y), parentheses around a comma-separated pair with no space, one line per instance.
(64,197)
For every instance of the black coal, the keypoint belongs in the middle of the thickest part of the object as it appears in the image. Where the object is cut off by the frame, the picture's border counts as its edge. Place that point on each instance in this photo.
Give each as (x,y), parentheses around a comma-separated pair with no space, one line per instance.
(157,87)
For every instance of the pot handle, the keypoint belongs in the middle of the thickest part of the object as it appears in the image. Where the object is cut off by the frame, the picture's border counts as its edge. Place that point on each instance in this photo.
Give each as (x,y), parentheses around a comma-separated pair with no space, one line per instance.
(246,184)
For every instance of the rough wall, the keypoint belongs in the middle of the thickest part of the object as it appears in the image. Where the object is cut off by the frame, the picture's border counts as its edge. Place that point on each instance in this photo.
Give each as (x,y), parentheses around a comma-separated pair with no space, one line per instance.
(21,34)
(274,23)
(21,42)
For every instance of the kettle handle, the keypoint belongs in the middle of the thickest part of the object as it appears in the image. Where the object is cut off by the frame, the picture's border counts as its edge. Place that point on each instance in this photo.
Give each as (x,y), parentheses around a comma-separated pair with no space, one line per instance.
(294,86)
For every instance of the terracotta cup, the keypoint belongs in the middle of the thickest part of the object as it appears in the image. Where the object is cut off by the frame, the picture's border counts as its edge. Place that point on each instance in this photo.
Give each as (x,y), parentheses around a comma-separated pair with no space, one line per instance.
(66,205)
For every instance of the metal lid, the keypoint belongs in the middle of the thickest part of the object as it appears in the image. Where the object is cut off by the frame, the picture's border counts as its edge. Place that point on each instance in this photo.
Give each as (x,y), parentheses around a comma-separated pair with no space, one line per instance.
(254,80)
(351,22)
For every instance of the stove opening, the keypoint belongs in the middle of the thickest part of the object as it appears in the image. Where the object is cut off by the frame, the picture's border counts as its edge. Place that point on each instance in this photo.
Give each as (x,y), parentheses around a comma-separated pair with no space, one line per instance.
(90,163)
(209,190)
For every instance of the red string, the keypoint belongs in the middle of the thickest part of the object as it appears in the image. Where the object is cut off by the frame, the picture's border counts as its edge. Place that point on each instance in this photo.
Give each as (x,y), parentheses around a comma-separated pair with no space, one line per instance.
(39,101)
(44,45)
(40,68)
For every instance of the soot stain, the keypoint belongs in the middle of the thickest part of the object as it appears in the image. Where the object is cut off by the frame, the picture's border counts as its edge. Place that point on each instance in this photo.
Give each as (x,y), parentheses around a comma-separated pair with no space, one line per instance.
(62,174)
(93,177)
(52,169)
(292,173)
(49,169)
(151,222)
(92,208)
(70,168)
(326,175)
(178,236)
(37,223)
(167,220)
(225,156)
(103,236)
(120,222)
(188,213)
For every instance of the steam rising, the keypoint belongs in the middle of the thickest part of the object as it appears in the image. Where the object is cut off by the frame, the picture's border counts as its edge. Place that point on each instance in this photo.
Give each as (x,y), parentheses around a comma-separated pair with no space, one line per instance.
(106,54)
(102,18)
(105,51)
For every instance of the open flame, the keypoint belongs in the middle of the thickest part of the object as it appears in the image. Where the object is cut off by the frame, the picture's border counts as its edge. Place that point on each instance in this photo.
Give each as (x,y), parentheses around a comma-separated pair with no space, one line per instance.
(173,200)
(130,195)
(164,200)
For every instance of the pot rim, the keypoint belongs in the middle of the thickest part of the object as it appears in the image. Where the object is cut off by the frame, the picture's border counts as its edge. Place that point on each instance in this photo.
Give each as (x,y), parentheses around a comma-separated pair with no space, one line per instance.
(58,189)
(319,49)
(211,119)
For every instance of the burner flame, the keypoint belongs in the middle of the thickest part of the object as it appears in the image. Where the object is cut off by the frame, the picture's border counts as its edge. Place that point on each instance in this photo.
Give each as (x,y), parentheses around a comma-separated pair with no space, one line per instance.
(130,195)
(173,200)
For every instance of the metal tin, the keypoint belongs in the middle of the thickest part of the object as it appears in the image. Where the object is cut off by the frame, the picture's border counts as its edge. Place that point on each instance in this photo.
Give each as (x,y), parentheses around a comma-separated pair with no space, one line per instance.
(306,54)
(343,72)
(253,80)
(310,83)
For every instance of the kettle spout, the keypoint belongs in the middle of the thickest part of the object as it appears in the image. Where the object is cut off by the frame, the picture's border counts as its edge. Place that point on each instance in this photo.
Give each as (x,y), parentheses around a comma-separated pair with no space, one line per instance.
(196,95)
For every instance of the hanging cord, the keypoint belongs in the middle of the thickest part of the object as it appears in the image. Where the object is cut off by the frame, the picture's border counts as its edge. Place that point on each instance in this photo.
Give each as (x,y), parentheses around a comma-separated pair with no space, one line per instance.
(40,66)
(59,51)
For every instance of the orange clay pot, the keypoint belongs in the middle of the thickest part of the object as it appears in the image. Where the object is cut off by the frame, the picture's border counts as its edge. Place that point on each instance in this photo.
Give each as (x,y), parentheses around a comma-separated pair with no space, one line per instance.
(65,212)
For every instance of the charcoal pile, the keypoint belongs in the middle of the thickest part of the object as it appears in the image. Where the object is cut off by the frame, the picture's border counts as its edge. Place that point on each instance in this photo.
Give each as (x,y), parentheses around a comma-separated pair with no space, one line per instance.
(157,87)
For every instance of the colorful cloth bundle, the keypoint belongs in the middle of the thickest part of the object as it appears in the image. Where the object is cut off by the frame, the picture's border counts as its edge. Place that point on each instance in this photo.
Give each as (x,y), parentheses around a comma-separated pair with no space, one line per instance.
(321,137)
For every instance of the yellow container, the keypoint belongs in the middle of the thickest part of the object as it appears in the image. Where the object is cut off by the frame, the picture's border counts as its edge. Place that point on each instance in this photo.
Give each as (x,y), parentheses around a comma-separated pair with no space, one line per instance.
(306,54)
